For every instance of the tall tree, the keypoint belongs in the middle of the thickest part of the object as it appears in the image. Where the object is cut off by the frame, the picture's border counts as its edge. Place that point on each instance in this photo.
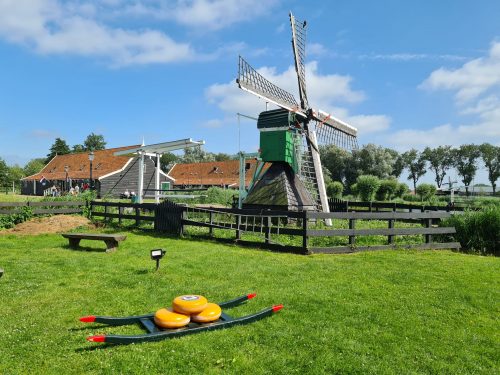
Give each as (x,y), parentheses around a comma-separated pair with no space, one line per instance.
(415,164)
(78,148)
(4,173)
(335,160)
(34,166)
(374,160)
(167,161)
(15,174)
(491,158)
(464,159)
(196,155)
(94,142)
(440,161)
(222,157)
(60,147)
(398,163)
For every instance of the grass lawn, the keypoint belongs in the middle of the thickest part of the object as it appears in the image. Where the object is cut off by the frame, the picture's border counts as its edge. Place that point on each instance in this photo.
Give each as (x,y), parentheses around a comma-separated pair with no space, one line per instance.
(17,197)
(376,312)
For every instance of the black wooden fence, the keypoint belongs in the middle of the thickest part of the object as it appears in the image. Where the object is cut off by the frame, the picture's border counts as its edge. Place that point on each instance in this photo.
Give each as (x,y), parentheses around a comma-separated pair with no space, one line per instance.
(340,205)
(270,225)
(43,207)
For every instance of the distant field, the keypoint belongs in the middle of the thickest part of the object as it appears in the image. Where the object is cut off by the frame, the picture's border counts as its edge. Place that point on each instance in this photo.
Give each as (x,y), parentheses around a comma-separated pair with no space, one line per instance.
(387,312)
(17,197)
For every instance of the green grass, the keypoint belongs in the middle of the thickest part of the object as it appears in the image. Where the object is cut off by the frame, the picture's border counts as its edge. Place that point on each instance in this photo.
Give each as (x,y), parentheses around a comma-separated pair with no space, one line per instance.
(377,312)
(17,197)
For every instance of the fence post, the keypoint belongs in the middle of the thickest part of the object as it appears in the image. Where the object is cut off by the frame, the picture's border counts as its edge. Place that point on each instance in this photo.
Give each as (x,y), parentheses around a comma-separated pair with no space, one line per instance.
(120,213)
(267,229)
(428,237)
(305,237)
(352,225)
(106,213)
(211,229)
(371,206)
(238,223)
(390,237)
(182,217)
(137,216)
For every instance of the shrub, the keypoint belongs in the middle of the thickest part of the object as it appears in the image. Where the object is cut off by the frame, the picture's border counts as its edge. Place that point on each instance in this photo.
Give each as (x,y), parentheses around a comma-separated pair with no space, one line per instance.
(387,189)
(9,221)
(477,231)
(335,189)
(426,191)
(354,190)
(367,186)
(401,190)
(220,196)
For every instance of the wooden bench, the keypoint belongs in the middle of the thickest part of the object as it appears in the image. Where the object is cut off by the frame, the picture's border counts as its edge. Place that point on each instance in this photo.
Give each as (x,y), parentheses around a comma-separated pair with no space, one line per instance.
(111,240)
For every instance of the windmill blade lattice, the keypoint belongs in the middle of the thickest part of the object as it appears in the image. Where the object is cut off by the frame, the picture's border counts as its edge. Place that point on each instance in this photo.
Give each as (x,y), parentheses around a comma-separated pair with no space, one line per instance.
(251,80)
(299,52)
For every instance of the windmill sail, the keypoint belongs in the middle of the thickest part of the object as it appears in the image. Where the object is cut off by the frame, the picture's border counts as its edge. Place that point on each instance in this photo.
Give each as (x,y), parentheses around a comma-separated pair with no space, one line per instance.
(299,54)
(252,81)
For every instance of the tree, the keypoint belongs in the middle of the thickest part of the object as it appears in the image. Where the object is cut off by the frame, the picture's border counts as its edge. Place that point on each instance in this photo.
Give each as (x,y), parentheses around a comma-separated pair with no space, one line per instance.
(374,160)
(60,147)
(335,160)
(34,166)
(415,164)
(440,161)
(15,174)
(78,148)
(222,157)
(4,173)
(491,158)
(196,155)
(335,189)
(426,191)
(367,186)
(167,161)
(398,162)
(464,159)
(387,189)
(94,142)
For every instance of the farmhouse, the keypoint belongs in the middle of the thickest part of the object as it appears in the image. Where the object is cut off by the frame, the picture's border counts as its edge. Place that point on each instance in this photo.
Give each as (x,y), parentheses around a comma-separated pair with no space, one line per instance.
(111,175)
(213,173)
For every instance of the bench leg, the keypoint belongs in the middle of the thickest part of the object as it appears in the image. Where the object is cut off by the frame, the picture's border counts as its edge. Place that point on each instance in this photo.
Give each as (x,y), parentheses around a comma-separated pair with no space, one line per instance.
(74,242)
(111,245)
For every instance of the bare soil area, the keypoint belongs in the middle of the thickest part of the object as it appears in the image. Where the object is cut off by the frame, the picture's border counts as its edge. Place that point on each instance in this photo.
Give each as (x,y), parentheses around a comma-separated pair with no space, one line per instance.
(49,224)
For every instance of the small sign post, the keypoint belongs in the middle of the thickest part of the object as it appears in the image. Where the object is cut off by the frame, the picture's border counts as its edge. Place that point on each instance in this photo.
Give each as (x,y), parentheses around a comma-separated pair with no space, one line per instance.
(157,254)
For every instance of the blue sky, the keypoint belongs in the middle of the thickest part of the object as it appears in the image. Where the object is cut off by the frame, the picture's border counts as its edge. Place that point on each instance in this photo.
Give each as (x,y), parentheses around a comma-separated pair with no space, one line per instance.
(407,74)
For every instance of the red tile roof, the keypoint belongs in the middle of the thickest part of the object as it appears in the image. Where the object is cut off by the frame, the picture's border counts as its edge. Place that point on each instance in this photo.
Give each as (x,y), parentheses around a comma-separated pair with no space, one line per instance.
(78,165)
(211,173)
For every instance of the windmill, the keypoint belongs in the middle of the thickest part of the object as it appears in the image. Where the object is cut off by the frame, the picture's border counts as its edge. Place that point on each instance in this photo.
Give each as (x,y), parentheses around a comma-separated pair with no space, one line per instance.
(290,136)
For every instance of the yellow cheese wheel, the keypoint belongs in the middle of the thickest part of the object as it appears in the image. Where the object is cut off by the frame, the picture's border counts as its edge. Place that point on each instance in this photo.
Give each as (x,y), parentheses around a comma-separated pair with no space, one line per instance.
(210,314)
(189,304)
(166,318)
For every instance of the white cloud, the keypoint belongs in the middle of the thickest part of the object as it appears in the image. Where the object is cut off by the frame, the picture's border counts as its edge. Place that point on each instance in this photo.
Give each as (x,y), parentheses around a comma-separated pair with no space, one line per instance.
(199,14)
(477,91)
(324,91)
(471,80)
(405,56)
(54,27)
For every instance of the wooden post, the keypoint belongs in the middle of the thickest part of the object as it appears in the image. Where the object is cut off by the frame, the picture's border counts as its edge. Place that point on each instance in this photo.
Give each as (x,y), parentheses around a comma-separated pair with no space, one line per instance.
(238,223)
(137,216)
(305,238)
(267,229)
(120,213)
(211,229)
(371,206)
(352,225)
(428,237)
(390,237)
(106,218)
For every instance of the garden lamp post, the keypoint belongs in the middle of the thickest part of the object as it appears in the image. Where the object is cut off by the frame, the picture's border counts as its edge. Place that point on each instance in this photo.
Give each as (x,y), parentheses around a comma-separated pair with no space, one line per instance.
(66,168)
(91,159)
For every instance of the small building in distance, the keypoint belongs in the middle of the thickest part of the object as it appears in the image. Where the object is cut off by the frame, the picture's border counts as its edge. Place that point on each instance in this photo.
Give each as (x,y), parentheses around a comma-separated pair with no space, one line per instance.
(223,174)
(112,175)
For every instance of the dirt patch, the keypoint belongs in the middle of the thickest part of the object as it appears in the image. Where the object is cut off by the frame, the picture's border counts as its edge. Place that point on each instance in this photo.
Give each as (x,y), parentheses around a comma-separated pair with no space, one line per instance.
(49,224)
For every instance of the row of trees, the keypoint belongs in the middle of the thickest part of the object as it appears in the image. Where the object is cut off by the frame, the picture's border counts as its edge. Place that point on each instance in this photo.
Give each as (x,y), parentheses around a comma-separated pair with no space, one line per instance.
(346,167)
(93,142)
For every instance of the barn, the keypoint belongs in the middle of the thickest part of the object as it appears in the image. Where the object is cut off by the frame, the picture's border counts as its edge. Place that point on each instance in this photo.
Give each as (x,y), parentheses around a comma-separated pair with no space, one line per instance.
(112,174)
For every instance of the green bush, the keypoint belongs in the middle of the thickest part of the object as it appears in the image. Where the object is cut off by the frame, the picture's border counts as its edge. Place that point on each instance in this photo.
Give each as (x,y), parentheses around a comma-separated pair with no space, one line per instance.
(218,195)
(477,231)
(401,190)
(335,189)
(354,190)
(367,186)
(387,189)
(426,191)
(9,221)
